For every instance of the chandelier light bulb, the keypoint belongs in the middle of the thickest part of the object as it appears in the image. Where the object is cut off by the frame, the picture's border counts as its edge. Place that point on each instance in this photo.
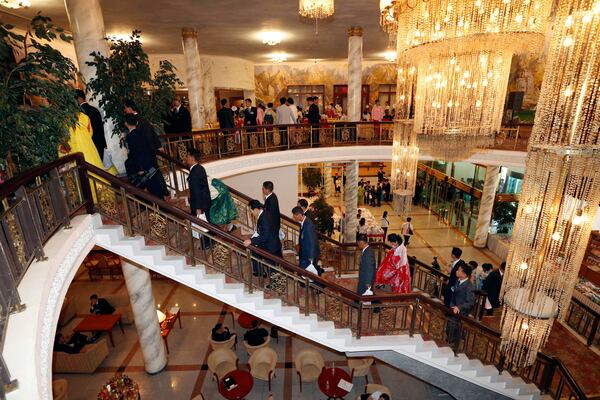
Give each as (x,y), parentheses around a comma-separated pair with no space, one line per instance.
(523,266)
(556,236)
(569,41)
(568,91)
(525,326)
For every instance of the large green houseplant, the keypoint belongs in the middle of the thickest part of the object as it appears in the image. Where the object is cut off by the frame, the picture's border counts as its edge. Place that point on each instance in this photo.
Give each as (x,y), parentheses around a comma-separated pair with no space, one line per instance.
(37,104)
(125,74)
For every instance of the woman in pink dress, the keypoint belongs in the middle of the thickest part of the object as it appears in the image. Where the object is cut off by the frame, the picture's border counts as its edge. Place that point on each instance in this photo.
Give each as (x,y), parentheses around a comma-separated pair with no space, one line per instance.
(394,269)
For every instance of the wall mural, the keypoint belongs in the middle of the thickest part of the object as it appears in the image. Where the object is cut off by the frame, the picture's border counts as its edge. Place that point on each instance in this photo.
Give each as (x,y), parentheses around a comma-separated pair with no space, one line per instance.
(526,73)
(272,80)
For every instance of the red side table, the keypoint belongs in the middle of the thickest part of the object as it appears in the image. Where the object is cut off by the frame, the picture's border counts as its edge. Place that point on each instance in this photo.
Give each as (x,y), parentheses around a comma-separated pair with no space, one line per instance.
(245,320)
(328,382)
(244,381)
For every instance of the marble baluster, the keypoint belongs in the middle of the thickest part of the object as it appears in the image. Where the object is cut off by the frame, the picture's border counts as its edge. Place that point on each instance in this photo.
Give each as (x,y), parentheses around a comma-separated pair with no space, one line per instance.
(139,286)
(355,43)
(486,205)
(194,76)
(351,201)
(329,189)
(87,26)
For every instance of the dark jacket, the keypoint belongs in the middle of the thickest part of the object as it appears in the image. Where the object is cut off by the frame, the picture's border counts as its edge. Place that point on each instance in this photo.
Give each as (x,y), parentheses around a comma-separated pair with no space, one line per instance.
(221,337)
(97,127)
(367,271)
(141,156)
(256,336)
(179,121)
(309,243)
(314,116)
(102,307)
(225,117)
(199,190)
(268,236)
(491,286)
(148,130)
(272,207)
(451,282)
(250,116)
(462,296)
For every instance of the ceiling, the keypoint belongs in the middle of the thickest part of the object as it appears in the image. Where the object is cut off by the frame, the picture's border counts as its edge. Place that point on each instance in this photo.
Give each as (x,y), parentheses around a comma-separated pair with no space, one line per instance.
(230,27)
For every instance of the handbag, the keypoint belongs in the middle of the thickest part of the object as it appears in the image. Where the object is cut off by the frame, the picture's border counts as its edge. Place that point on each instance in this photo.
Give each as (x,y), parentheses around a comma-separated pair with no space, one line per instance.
(195,232)
(107,159)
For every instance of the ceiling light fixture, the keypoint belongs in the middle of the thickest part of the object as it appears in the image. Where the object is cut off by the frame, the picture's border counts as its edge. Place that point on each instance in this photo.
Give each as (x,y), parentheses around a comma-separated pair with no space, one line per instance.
(272,38)
(390,56)
(279,57)
(15,3)
(316,10)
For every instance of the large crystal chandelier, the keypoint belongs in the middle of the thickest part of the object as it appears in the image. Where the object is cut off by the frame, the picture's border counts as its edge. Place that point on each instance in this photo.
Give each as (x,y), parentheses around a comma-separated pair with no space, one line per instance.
(316,9)
(561,188)
(405,153)
(463,49)
(15,3)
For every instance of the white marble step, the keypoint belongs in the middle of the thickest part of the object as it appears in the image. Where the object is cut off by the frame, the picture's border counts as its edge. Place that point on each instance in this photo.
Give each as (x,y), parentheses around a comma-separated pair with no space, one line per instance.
(291,319)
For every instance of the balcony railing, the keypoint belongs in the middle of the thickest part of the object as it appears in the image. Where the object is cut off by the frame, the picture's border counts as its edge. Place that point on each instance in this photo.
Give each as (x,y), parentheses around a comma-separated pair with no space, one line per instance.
(215,144)
(79,186)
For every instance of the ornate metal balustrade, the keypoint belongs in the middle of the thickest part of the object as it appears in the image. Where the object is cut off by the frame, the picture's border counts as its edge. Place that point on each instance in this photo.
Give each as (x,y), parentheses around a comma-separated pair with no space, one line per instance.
(73,186)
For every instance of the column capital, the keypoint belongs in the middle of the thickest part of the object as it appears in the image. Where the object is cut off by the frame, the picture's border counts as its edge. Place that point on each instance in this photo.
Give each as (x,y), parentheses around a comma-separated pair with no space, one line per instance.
(189,33)
(355,31)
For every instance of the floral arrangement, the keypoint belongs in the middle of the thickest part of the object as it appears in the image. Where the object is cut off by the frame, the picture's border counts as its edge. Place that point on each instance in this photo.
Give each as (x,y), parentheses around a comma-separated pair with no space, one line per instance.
(119,387)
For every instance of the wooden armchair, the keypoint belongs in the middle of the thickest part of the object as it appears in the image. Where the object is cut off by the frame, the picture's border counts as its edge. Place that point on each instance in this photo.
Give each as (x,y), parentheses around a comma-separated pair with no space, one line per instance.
(227,344)
(360,367)
(252,349)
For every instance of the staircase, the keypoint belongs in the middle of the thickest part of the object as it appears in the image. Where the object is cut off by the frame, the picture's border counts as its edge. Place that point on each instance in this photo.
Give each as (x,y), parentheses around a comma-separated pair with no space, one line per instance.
(292,319)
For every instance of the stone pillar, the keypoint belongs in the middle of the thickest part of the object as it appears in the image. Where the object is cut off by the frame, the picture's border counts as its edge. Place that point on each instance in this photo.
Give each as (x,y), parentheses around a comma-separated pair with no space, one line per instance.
(486,205)
(137,280)
(355,42)
(194,76)
(87,25)
(329,189)
(208,93)
(351,201)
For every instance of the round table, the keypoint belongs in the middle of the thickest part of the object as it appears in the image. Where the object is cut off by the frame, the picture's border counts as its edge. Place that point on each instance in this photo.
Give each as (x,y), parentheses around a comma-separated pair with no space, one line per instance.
(244,382)
(245,320)
(328,382)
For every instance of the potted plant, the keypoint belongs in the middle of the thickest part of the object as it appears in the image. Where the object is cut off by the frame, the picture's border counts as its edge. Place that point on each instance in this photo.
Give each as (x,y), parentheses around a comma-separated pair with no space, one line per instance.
(323,214)
(311,177)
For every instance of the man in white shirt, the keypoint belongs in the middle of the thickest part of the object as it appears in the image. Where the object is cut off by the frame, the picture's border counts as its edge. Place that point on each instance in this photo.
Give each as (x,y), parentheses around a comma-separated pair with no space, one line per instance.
(407,231)
(285,116)
(293,109)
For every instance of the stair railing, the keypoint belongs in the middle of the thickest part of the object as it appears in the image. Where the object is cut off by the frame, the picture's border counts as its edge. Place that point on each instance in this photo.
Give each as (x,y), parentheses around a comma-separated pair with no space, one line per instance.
(81,187)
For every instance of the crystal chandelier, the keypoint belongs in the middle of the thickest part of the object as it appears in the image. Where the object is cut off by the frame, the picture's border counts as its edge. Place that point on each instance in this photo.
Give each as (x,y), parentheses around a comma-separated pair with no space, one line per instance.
(459,101)
(316,9)
(405,153)
(561,188)
(15,3)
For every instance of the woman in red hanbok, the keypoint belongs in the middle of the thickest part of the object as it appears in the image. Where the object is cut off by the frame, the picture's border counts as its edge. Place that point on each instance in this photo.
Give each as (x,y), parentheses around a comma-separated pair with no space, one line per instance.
(394,270)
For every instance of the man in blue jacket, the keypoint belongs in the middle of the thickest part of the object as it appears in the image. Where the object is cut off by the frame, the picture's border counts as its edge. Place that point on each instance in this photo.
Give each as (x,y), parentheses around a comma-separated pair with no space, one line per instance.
(309,244)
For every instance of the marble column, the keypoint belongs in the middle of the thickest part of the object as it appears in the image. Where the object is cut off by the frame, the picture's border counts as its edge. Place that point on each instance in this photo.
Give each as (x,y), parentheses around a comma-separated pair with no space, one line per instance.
(137,280)
(194,76)
(486,205)
(351,201)
(355,42)
(329,189)
(208,93)
(87,25)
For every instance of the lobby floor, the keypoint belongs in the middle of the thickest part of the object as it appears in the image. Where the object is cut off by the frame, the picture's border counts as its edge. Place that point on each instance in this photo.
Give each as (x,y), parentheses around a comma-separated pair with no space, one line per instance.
(187,375)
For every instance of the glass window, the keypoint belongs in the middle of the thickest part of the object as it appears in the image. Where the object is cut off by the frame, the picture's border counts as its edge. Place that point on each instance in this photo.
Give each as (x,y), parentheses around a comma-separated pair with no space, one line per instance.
(300,92)
(511,180)
(387,95)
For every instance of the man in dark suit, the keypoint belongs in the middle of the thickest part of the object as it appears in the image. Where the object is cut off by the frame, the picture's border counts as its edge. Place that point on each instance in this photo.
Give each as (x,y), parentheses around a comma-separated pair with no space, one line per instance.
(314,117)
(250,114)
(141,160)
(491,286)
(462,300)
(368,266)
(308,244)
(456,262)
(179,119)
(100,306)
(272,204)
(200,200)
(255,336)
(303,204)
(143,125)
(225,118)
(266,237)
(95,119)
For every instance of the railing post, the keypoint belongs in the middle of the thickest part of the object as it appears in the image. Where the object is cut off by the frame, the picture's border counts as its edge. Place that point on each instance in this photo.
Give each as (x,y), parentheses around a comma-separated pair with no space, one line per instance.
(86,189)
(265,139)
(359,320)
(547,377)
(191,237)
(128,227)
(306,296)
(242,138)
(590,338)
(250,285)
(287,132)
(173,169)
(310,140)
(54,187)
(413,318)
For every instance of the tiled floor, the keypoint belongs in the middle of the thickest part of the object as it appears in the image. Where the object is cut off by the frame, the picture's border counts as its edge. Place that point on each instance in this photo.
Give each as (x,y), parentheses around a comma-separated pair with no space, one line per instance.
(186,374)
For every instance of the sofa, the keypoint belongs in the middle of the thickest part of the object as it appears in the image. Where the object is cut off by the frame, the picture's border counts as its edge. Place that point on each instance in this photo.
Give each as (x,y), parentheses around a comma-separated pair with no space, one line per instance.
(67,312)
(120,301)
(84,362)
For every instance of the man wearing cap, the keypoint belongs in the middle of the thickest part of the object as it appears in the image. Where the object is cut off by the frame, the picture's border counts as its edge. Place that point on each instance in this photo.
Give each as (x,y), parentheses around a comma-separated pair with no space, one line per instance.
(368,266)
